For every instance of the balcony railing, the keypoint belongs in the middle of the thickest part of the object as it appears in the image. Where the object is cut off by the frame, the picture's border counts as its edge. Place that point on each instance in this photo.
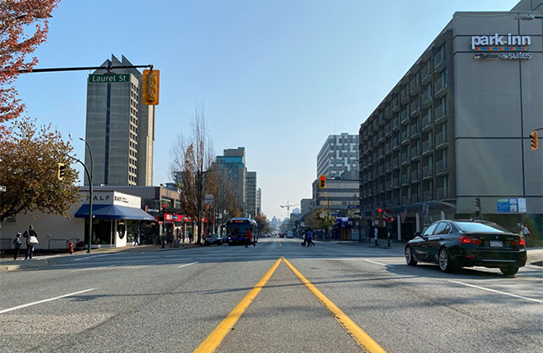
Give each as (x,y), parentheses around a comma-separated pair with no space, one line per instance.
(415,151)
(415,176)
(425,72)
(441,166)
(405,157)
(427,96)
(440,86)
(427,120)
(428,195)
(415,129)
(426,172)
(441,194)
(415,108)
(441,139)
(441,112)
(427,146)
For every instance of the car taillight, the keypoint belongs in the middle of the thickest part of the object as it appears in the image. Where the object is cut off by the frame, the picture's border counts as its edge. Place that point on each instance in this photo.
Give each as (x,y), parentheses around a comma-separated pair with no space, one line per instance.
(466,239)
(519,242)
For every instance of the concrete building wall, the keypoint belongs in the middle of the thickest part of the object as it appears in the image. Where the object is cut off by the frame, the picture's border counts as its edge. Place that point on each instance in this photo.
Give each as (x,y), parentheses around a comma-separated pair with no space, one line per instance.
(338,154)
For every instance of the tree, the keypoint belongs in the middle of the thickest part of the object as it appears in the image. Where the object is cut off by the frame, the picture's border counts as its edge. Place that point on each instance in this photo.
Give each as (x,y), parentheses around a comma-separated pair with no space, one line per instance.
(262,223)
(17,40)
(225,201)
(29,158)
(193,158)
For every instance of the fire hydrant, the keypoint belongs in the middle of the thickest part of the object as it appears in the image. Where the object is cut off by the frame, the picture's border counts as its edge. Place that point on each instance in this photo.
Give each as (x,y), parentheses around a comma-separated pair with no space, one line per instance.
(71,247)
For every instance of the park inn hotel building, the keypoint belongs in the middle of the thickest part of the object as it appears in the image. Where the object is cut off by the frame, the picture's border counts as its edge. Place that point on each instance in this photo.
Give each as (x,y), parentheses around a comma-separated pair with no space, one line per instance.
(456,127)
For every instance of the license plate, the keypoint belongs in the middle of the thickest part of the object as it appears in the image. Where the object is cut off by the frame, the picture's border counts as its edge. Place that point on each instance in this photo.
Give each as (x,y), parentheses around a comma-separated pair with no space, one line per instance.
(496,244)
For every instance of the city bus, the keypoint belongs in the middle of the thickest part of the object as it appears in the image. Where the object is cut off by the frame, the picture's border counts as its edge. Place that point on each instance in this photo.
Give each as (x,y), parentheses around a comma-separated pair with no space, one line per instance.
(236,231)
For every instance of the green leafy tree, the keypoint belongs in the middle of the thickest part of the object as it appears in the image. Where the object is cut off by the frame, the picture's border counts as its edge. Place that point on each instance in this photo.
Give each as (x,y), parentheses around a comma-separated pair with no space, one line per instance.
(29,158)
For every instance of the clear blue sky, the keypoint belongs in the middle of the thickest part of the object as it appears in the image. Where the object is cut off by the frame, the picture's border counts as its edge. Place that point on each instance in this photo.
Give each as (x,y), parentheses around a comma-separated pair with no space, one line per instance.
(276,77)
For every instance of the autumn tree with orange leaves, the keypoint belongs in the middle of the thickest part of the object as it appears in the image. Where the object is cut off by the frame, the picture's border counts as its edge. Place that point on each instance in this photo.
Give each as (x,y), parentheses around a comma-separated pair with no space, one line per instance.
(23,27)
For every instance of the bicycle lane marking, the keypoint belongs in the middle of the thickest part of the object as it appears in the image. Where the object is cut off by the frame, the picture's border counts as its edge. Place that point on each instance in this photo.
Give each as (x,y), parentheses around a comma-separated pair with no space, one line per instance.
(215,338)
(360,337)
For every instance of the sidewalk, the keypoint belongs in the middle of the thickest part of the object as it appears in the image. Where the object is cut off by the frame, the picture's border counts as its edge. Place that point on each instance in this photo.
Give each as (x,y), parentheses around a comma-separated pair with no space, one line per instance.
(7,264)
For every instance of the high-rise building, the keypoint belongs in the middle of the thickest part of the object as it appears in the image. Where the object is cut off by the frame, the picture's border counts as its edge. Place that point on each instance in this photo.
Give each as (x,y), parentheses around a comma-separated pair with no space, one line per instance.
(305,204)
(119,129)
(338,154)
(453,133)
(340,195)
(232,165)
(259,201)
(251,193)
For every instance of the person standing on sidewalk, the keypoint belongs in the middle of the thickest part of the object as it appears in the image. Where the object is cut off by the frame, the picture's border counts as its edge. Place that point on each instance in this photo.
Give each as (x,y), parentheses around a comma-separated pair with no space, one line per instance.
(31,240)
(17,242)
(249,237)
(136,238)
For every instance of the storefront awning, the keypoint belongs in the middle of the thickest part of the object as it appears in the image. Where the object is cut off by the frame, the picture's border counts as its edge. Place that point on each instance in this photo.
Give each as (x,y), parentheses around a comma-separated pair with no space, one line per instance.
(114,212)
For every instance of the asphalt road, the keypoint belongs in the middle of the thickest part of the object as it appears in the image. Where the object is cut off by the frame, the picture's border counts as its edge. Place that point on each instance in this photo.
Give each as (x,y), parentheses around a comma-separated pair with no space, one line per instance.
(174,300)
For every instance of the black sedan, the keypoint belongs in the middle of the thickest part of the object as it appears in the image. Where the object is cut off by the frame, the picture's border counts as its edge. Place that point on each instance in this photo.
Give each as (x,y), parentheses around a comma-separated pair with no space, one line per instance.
(213,239)
(454,244)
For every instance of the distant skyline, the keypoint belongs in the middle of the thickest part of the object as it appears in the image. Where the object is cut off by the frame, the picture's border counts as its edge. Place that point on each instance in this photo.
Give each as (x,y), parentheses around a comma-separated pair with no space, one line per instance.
(275,77)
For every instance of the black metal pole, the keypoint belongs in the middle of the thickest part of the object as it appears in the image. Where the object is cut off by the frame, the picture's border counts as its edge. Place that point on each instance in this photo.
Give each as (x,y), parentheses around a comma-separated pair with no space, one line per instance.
(85,68)
(89,238)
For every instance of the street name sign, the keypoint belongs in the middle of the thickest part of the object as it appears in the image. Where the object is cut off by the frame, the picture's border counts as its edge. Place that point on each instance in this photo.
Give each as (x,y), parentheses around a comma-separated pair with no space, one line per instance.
(109,78)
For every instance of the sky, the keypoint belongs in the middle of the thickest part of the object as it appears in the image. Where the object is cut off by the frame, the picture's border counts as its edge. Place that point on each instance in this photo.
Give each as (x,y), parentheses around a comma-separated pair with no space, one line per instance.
(276,77)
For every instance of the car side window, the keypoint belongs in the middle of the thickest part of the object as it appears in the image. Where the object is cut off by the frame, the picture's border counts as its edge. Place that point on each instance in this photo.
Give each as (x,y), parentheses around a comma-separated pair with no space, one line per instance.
(447,229)
(430,230)
(440,227)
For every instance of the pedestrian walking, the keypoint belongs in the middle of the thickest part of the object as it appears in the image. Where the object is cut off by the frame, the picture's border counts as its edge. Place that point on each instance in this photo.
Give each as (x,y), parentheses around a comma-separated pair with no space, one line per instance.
(17,242)
(31,240)
(136,238)
(525,231)
(309,236)
(305,238)
(249,238)
(190,237)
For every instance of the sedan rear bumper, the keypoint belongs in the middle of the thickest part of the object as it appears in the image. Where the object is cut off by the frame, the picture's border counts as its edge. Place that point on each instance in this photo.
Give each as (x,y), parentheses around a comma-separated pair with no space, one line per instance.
(492,259)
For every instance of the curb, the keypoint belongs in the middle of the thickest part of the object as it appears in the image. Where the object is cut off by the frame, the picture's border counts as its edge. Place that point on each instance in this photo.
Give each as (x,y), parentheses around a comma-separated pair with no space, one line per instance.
(27,265)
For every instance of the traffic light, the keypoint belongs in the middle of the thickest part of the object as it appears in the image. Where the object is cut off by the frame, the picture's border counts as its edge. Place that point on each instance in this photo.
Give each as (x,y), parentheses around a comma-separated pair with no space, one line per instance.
(61,171)
(163,208)
(150,87)
(322,182)
(478,203)
(534,140)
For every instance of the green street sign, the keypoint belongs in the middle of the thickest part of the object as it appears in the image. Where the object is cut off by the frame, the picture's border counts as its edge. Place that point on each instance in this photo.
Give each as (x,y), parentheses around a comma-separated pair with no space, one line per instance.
(109,78)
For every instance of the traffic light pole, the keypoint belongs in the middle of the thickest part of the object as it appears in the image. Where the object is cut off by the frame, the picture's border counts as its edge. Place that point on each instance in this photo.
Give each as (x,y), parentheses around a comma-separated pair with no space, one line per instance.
(85,68)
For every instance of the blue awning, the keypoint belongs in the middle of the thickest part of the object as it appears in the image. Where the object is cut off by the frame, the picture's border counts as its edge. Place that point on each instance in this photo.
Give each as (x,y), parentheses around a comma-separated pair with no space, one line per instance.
(114,212)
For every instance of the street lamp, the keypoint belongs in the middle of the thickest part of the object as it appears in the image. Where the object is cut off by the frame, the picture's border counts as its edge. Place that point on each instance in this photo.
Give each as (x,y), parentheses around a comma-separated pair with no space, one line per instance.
(89,176)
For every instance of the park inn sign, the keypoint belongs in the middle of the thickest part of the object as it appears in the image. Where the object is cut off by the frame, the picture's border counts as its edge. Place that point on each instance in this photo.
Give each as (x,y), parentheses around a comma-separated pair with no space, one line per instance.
(506,47)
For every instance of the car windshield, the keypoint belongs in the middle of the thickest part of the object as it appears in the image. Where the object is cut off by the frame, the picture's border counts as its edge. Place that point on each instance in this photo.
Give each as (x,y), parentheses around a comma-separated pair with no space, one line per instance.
(469,227)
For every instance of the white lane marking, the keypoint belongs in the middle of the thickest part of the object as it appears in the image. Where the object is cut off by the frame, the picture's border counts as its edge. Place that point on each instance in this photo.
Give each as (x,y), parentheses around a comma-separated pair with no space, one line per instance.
(496,291)
(45,300)
(192,263)
(535,266)
(375,262)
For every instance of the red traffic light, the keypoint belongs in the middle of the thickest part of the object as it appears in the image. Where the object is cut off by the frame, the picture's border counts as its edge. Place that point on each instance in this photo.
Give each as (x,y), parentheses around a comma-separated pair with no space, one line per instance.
(163,205)
(323,177)
(380,210)
(392,219)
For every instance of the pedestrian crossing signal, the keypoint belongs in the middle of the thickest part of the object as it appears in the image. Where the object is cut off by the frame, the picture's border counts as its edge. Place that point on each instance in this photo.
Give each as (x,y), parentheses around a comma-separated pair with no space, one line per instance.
(322,182)
(61,171)
(534,140)
(150,87)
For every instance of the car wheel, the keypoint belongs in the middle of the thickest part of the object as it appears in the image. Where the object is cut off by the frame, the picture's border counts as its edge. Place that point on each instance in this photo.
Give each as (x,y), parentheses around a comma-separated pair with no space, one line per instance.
(444,261)
(509,270)
(409,258)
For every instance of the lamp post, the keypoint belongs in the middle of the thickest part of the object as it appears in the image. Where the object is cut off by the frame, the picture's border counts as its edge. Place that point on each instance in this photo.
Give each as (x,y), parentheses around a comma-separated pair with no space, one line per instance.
(89,175)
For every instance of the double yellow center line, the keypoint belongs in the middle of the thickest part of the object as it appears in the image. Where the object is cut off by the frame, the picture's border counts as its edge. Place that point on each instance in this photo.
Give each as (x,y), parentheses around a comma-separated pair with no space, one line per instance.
(213,341)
